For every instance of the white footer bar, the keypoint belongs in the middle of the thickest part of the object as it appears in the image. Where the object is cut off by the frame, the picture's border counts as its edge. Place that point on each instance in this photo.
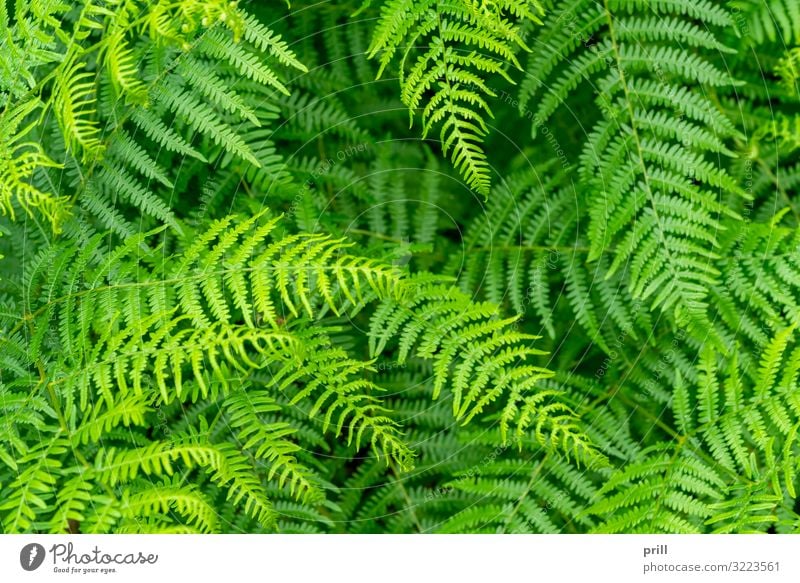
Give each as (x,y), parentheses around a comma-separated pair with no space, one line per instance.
(385,558)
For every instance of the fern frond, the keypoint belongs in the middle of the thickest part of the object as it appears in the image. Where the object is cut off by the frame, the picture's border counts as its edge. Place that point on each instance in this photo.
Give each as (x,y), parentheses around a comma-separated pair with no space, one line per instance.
(456,44)
(732,462)
(472,352)
(225,466)
(271,442)
(651,183)
(20,159)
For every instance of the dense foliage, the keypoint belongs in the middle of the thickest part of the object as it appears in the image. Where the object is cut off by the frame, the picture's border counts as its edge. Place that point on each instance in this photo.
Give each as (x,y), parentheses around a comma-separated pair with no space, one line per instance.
(238,293)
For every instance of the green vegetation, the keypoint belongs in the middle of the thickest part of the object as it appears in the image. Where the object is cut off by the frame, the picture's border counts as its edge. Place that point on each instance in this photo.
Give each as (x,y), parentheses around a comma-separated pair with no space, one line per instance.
(240,293)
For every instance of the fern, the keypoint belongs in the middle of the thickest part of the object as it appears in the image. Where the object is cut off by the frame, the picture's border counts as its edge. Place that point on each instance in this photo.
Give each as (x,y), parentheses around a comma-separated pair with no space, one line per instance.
(647,160)
(186,81)
(237,296)
(732,463)
(20,160)
(774,21)
(188,330)
(458,44)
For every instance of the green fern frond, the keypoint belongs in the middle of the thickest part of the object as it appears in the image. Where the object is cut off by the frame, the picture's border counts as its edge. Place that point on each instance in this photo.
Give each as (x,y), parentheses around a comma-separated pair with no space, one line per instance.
(137,331)
(731,464)
(456,45)
(225,466)
(775,21)
(479,357)
(20,159)
(271,442)
(653,195)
